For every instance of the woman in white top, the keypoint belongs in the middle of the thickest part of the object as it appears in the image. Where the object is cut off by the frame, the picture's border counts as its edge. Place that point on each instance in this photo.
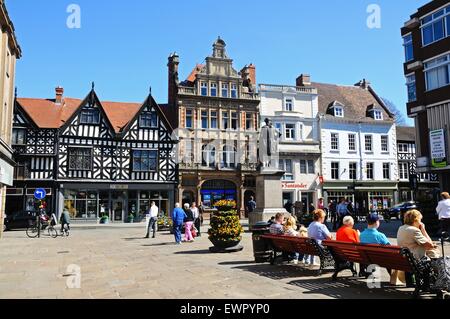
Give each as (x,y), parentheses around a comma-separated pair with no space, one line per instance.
(443,209)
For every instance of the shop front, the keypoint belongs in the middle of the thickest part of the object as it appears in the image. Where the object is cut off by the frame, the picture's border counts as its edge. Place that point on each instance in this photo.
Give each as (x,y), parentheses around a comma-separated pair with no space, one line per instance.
(89,202)
(303,196)
(365,197)
(20,199)
(216,190)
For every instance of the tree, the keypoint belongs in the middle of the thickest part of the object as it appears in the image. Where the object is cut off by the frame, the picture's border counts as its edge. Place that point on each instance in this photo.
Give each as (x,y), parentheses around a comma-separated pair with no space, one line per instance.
(398,115)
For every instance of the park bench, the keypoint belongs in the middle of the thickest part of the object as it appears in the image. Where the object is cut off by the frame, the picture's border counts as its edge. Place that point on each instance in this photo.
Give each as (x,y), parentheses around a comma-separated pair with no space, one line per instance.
(280,244)
(389,257)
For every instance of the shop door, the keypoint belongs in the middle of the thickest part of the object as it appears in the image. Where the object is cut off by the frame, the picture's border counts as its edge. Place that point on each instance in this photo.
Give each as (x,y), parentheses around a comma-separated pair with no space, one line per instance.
(118,211)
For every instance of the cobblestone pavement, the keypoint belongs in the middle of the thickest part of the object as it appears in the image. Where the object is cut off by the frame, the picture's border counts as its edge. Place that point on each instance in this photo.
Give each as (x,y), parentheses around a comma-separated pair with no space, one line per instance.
(120,263)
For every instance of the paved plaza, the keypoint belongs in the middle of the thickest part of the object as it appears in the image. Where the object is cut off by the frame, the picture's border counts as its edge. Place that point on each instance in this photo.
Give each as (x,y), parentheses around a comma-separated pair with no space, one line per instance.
(117,262)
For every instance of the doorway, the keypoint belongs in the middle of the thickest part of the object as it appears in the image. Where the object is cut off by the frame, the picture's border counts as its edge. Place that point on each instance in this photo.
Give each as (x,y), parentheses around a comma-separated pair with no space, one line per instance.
(118,210)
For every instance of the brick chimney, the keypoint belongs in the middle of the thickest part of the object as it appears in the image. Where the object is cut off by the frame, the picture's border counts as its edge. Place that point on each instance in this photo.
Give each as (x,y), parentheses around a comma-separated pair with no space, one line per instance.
(59,95)
(248,74)
(363,84)
(174,62)
(303,80)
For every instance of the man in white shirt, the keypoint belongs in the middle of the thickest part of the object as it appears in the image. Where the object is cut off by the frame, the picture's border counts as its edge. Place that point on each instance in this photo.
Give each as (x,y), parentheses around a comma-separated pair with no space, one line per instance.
(153,220)
(443,209)
(196,214)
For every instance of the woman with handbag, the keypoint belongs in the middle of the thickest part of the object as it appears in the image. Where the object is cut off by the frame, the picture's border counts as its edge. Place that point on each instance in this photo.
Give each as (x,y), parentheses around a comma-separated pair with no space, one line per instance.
(189,222)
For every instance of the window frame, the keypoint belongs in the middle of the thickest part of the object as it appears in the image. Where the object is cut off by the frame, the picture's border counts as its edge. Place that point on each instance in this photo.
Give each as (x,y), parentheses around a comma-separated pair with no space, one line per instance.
(224,88)
(234,91)
(403,170)
(149,158)
(225,119)
(338,111)
(334,138)
(153,120)
(408,43)
(353,169)
(14,136)
(411,87)
(431,20)
(289,104)
(290,133)
(70,156)
(351,142)
(213,88)
(289,174)
(335,171)
(204,115)
(189,116)
(214,119)
(249,118)
(93,114)
(377,115)
(204,88)
(432,65)
(366,143)
(370,169)
(385,138)
(387,169)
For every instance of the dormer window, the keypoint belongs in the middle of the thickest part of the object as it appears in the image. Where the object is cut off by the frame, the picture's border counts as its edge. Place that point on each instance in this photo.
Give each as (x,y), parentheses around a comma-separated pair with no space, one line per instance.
(90,117)
(377,115)
(148,120)
(338,111)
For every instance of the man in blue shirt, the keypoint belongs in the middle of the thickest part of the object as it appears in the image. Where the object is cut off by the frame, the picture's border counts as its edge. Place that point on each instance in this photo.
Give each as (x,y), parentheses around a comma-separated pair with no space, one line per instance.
(178,217)
(371,235)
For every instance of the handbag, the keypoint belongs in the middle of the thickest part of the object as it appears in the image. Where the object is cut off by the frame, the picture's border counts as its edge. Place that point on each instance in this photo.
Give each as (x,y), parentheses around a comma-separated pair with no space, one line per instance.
(194,231)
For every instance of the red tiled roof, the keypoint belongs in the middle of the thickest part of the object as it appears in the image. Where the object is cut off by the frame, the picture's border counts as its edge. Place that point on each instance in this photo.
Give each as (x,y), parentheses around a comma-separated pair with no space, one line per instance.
(195,71)
(47,114)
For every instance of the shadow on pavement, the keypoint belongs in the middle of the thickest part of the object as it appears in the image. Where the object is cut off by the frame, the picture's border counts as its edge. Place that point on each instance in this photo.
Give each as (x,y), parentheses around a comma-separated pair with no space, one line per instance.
(231,263)
(349,289)
(159,244)
(278,272)
(193,252)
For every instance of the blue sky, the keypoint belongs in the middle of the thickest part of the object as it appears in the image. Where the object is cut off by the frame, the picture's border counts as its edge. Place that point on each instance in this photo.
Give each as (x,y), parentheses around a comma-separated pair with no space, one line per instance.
(123,45)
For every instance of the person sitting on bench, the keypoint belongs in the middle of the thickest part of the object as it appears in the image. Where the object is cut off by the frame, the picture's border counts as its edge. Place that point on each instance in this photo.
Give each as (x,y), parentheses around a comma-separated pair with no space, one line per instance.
(371,235)
(277,227)
(346,233)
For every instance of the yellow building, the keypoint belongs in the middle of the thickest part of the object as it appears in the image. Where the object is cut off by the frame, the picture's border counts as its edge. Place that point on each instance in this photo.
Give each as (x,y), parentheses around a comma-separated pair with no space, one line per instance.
(9,52)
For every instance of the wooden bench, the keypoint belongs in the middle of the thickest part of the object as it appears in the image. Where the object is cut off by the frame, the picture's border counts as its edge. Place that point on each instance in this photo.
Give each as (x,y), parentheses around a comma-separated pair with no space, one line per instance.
(390,257)
(288,244)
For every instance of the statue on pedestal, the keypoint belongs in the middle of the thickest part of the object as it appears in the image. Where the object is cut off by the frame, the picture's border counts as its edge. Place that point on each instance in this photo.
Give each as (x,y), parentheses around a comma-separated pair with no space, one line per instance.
(268,146)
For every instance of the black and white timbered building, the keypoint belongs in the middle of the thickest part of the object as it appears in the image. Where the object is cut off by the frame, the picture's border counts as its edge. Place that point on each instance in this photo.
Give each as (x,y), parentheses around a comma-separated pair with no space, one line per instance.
(94,158)
(408,189)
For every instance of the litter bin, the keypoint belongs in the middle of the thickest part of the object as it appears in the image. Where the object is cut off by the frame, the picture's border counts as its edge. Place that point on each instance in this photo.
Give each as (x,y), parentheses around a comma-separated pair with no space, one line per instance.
(261,250)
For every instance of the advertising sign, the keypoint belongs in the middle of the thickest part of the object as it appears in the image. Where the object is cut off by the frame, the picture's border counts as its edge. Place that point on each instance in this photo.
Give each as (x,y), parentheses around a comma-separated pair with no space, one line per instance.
(438,149)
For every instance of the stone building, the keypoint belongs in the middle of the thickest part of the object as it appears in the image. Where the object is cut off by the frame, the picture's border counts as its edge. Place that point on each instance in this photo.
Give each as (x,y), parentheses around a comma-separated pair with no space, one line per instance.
(216,112)
(9,52)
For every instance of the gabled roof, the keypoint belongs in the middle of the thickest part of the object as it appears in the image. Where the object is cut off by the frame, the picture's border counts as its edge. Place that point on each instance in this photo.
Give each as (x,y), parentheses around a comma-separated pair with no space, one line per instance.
(45,113)
(406,133)
(193,75)
(356,101)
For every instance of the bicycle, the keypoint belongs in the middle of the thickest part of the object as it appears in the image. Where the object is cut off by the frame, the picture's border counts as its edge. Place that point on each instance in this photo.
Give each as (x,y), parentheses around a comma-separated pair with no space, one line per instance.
(65,231)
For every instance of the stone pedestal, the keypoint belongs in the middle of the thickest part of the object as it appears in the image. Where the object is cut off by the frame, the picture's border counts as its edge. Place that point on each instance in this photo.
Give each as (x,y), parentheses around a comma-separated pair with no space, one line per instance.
(269,197)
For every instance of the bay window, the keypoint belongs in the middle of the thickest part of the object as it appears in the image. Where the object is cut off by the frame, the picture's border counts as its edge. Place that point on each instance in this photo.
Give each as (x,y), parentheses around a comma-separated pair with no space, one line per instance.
(437,72)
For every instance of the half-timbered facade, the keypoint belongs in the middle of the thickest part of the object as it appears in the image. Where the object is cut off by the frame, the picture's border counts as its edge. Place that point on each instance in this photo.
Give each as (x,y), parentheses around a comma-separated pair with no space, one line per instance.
(95,158)
(412,185)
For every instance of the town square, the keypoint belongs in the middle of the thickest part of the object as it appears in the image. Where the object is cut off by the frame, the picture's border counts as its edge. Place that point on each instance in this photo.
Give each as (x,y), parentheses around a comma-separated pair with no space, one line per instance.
(162,151)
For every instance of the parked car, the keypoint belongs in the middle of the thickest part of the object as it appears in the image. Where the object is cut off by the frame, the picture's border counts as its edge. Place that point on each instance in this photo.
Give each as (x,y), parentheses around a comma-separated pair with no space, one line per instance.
(18,220)
(398,211)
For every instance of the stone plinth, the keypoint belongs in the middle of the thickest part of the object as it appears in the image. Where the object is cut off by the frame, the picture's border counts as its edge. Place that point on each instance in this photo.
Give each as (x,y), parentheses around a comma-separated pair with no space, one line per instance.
(269,196)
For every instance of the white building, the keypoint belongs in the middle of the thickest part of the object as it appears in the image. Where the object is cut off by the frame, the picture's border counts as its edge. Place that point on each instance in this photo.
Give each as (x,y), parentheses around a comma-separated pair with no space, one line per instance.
(293,111)
(358,142)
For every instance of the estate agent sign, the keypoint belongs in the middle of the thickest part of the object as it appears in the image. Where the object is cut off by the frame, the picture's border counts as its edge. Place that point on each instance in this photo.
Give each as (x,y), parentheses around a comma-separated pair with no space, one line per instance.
(438,150)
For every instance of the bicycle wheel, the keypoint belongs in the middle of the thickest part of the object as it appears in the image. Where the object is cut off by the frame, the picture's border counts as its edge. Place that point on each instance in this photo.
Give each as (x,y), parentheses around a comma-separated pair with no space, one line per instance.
(32,231)
(52,232)
(67,232)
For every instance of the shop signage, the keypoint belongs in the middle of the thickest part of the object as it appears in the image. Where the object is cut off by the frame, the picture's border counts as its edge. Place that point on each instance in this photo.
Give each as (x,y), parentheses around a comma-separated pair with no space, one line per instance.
(294,186)
(438,150)
(118,186)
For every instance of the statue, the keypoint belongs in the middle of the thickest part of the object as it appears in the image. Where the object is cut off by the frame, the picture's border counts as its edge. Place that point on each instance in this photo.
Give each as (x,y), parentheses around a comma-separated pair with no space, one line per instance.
(268,146)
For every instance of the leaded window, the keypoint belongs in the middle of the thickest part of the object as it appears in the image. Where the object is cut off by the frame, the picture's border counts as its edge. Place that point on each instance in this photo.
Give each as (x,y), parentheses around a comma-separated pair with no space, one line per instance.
(145,160)
(90,116)
(148,120)
(80,159)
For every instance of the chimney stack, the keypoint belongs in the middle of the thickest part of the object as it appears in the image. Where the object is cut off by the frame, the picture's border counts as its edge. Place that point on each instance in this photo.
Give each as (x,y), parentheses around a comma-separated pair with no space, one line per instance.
(59,95)
(363,84)
(303,80)
(173,64)
(248,74)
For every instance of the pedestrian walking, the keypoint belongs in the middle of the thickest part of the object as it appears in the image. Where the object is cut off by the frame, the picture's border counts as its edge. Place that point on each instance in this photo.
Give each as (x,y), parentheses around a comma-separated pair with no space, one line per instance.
(443,210)
(153,212)
(178,217)
(251,205)
(342,211)
(332,208)
(197,220)
(188,223)
(65,219)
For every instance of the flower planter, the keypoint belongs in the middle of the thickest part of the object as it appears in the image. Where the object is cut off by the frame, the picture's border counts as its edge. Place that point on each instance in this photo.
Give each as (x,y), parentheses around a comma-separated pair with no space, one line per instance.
(226,229)
(225,244)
